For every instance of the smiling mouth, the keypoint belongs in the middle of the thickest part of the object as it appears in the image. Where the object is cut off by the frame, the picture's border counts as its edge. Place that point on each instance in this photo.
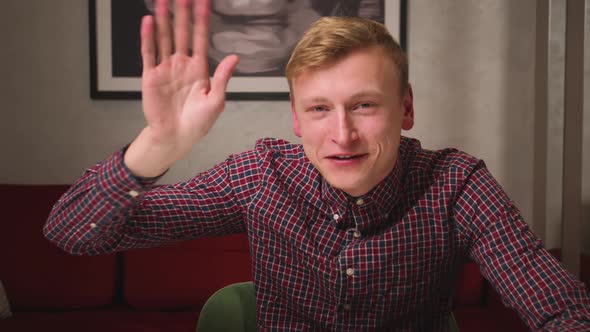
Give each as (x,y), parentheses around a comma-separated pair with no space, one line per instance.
(347,157)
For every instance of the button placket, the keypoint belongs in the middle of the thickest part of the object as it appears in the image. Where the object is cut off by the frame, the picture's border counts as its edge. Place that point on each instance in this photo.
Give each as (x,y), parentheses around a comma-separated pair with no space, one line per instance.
(361,205)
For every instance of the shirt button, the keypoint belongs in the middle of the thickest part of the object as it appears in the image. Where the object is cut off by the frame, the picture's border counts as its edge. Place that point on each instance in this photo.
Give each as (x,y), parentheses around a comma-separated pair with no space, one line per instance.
(346,307)
(336,216)
(350,271)
(133,193)
(360,202)
(92,225)
(356,234)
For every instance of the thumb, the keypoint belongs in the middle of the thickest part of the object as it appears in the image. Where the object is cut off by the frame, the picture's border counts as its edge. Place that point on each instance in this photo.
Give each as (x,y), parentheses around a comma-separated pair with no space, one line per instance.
(223,73)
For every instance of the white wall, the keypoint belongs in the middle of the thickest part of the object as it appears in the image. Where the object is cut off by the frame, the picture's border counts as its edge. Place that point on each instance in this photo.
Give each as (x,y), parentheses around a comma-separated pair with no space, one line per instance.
(471,65)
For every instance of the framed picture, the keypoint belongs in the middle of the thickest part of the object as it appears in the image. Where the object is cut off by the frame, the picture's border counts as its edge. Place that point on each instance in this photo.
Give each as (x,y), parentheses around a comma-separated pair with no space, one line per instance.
(263,42)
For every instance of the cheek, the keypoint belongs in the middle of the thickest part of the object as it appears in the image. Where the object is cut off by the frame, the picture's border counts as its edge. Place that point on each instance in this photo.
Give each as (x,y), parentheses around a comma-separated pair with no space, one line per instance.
(311,131)
(311,140)
(383,132)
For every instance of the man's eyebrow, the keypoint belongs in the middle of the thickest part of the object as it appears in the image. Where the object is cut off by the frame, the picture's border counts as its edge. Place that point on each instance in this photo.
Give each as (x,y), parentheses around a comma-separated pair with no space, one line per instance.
(360,94)
(315,100)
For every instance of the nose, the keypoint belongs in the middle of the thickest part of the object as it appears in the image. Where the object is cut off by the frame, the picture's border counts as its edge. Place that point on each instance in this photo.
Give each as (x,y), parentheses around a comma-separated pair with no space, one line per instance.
(344,131)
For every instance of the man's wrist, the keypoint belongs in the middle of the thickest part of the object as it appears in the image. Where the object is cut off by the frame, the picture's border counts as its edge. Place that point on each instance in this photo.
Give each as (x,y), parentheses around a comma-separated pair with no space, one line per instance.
(146,159)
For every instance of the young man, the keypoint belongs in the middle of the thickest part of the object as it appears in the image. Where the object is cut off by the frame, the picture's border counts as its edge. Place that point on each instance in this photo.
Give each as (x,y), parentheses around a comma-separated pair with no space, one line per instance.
(358,228)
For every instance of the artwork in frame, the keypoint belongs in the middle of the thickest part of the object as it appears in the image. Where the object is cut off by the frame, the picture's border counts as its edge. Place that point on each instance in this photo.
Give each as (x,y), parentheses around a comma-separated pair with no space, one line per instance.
(262,33)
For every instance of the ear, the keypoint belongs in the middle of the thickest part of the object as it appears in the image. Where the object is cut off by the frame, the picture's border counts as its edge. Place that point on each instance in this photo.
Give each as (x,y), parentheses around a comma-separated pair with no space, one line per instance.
(408,109)
(296,129)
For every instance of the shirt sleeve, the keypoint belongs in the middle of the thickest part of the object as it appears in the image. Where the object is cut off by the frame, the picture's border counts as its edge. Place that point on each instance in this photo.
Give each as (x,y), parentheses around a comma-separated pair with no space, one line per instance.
(513,259)
(109,209)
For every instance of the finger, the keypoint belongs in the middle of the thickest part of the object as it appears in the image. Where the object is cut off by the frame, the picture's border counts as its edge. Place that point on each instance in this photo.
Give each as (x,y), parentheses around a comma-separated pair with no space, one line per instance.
(163,30)
(182,18)
(148,50)
(223,73)
(201,29)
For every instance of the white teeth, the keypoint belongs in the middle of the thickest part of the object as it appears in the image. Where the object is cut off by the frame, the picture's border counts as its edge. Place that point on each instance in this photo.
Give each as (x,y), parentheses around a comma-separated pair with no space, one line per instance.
(344,157)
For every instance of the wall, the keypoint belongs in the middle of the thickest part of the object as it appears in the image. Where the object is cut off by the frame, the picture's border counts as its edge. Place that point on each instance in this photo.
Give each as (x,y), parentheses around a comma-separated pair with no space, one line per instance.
(556,88)
(471,65)
(52,130)
(472,68)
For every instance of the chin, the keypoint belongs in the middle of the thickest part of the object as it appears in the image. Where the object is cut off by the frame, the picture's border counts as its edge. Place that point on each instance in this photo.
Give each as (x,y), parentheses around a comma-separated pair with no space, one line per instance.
(351,188)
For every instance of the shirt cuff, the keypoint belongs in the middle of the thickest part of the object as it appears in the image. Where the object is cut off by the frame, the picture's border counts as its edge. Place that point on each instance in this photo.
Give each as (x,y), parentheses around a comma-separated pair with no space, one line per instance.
(147,182)
(119,184)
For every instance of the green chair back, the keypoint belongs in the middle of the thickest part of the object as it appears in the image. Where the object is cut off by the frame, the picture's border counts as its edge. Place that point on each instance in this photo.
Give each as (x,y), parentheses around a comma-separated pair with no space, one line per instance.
(233,308)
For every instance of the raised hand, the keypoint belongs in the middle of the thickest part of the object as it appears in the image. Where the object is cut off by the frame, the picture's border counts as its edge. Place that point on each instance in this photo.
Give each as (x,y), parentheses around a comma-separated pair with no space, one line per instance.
(180,102)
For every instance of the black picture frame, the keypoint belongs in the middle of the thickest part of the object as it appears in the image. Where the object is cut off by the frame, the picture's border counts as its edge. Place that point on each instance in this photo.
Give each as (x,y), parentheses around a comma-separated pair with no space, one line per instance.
(115,62)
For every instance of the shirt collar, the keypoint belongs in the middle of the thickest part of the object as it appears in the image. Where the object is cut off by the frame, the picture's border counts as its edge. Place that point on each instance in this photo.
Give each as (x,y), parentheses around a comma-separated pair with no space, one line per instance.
(381,199)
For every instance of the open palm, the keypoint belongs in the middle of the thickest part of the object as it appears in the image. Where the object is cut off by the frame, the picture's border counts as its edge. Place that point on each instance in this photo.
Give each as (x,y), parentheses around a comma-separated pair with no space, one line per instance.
(180,102)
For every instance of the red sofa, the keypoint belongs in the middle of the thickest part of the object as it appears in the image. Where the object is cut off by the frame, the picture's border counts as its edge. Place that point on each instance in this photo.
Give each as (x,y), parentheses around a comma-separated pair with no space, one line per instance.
(156,289)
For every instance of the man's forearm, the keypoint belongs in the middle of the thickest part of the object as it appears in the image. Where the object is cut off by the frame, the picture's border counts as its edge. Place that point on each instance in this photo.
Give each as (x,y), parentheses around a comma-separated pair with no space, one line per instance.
(575,318)
(91,215)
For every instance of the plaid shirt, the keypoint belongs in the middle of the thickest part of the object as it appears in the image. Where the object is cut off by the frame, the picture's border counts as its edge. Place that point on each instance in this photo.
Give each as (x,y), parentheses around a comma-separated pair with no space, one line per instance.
(323,260)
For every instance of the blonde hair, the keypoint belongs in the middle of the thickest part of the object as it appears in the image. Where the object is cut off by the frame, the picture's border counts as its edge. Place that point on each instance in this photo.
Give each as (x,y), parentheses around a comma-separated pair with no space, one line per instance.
(330,39)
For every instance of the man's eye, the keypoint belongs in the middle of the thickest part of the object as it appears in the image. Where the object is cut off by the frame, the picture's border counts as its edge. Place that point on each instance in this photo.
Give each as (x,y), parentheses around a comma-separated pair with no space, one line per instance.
(364,105)
(318,108)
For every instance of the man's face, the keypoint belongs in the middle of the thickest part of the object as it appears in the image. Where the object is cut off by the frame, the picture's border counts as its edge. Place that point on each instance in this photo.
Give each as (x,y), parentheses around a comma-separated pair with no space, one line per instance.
(349,116)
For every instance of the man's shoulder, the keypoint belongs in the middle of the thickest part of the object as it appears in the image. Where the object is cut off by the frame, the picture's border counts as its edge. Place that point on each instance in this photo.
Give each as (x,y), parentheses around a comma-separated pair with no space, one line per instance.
(267,149)
(286,163)
(279,148)
(439,160)
(270,153)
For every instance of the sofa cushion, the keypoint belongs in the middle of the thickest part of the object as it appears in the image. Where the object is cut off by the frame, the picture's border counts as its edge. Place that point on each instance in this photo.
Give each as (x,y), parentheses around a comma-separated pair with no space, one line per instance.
(99,320)
(469,288)
(482,319)
(37,274)
(184,274)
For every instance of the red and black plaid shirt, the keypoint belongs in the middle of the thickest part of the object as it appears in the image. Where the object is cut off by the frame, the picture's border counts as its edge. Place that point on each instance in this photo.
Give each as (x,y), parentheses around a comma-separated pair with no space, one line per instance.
(323,260)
